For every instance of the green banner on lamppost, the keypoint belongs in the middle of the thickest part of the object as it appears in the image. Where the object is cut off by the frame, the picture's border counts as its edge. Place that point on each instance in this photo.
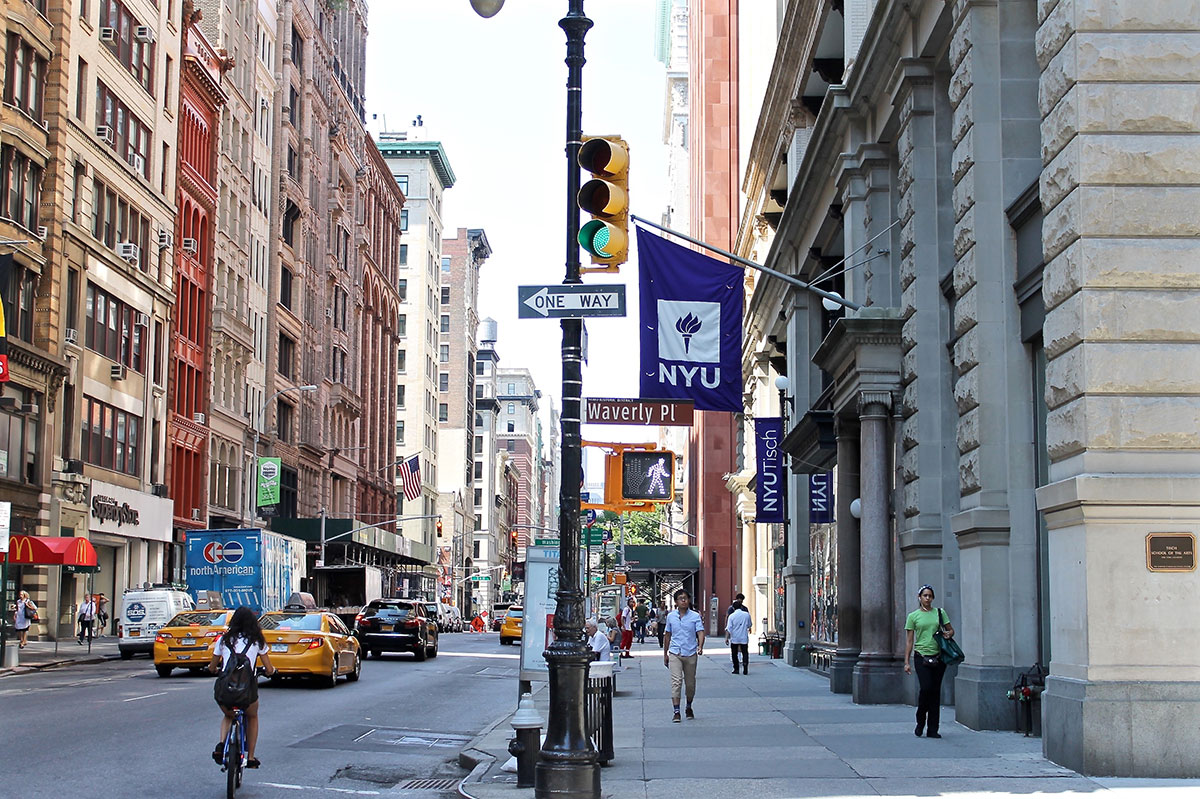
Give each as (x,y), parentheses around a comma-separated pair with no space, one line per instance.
(268,481)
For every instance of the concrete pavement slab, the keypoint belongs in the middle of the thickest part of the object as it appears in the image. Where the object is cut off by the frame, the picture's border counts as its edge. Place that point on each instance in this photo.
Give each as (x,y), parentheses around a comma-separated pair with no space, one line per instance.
(690,765)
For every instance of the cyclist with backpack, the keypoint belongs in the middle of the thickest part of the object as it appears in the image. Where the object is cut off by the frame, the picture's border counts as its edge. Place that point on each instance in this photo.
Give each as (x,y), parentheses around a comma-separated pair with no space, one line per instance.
(235,658)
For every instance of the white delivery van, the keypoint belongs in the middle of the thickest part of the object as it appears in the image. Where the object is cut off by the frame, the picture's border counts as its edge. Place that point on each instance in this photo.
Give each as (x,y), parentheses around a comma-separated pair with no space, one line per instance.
(143,612)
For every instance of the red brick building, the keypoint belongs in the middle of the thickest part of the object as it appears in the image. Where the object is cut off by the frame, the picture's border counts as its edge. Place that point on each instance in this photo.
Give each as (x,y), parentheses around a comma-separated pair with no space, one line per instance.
(200,100)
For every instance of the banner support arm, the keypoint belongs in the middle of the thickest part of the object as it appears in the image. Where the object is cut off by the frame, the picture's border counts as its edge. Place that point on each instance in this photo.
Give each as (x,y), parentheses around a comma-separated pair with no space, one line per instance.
(828,295)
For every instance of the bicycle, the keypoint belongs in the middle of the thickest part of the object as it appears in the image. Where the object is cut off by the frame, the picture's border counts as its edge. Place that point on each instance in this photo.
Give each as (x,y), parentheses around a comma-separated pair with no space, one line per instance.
(233,759)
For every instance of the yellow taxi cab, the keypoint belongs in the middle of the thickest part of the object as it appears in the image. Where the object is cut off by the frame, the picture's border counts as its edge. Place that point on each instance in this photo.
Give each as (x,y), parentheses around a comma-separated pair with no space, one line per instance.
(510,628)
(187,640)
(307,641)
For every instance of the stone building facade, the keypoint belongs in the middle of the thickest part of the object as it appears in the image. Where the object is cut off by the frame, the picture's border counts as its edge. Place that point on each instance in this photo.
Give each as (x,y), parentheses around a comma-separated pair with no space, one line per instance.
(519,433)
(1002,189)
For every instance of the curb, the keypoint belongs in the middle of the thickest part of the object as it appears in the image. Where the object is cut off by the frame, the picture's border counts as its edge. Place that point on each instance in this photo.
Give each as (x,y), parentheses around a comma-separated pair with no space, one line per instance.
(472,756)
(476,774)
(56,664)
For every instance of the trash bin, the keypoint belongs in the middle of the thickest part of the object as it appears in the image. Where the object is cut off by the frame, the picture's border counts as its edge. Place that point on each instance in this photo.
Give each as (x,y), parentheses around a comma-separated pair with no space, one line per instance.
(600,687)
(764,646)
(12,655)
(777,648)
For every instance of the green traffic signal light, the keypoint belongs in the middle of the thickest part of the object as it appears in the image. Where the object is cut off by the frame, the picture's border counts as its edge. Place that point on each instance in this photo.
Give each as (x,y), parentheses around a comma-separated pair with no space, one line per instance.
(605,197)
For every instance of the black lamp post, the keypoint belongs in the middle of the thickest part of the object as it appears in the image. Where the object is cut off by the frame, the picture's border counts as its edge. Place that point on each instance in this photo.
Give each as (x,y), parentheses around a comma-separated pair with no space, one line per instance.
(568,768)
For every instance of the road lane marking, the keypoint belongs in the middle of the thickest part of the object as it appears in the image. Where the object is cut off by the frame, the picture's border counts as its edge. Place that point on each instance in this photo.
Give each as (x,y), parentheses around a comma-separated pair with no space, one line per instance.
(287,787)
(147,696)
(479,655)
(364,735)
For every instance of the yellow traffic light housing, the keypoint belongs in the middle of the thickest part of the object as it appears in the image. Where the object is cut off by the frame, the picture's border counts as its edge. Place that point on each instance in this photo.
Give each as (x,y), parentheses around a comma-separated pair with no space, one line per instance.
(606,198)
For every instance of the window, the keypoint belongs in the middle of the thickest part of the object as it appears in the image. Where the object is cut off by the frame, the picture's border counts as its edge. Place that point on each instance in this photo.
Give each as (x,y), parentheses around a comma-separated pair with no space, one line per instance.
(402,290)
(400,396)
(21,187)
(130,137)
(289,490)
(115,220)
(478,470)
(444,353)
(18,305)
(111,328)
(111,438)
(402,325)
(445,295)
(81,71)
(341,301)
(510,446)
(479,368)
(285,287)
(446,265)
(19,439)
(443,381)
(478,444)
(399,432)
(289,223)
(511,429)
(445,325)
(404,255)
(283,426)
(401,361)
(25,77)
(512,407)
(404,226)
(287,356)
(402,182)
(478,502)
(136,56)
(512,388)
(337,365)
(443,412)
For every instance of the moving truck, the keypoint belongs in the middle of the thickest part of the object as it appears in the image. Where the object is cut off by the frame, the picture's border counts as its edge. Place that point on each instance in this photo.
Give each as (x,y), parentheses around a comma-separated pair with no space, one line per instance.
(345,589)
(256,568)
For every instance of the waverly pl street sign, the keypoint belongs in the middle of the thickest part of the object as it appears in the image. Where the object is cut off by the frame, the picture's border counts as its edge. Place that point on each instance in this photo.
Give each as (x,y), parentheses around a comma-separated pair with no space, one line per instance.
(572,301)
(636,411)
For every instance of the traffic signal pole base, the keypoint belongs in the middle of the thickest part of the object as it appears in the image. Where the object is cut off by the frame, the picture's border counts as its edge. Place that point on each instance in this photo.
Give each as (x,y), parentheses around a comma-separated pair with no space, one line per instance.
(568,766)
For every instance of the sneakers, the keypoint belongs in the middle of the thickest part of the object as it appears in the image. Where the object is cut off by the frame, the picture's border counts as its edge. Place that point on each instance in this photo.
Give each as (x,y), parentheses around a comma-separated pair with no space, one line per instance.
(219,754)
(675,719)
(933,735)
(689,713)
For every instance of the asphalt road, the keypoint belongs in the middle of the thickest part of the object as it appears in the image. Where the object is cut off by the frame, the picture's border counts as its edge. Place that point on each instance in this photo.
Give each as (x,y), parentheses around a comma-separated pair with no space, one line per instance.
(116,729)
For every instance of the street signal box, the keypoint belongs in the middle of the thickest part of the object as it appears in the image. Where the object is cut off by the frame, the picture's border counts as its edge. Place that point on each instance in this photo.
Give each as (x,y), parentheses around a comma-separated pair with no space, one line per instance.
(606,197)
(648,476)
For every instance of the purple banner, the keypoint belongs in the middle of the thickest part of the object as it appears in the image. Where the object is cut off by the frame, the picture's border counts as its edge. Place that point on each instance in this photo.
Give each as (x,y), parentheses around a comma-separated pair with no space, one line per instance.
(769,487)
(820,498)
(691,322)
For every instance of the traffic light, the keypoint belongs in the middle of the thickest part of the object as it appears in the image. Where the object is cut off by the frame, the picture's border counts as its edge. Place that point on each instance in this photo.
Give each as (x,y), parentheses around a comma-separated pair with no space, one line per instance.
(439,528)
(648,476)
(606,198)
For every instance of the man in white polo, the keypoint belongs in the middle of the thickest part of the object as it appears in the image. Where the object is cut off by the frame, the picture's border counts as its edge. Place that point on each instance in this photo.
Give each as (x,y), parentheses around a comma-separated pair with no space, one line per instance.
(682,646)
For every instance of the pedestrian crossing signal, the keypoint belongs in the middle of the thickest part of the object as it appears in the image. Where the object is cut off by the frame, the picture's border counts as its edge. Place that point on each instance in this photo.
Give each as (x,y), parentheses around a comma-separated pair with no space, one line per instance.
(648,476)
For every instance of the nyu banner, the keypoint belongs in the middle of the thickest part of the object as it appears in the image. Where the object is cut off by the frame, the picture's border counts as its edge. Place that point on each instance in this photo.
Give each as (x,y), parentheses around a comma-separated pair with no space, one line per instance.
(691,322)
(768,507)
(820,498)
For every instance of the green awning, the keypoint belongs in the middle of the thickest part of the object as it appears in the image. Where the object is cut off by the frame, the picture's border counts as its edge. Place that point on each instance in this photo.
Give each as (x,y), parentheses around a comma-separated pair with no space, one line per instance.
(661,557)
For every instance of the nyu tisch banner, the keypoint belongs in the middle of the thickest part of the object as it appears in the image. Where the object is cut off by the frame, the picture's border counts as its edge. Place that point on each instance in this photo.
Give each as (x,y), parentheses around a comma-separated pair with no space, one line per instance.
(691,326)
(768,505)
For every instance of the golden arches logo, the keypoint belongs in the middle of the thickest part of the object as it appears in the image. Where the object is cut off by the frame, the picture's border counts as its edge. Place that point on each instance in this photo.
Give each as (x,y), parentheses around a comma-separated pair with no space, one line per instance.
(25,542)
(81,551)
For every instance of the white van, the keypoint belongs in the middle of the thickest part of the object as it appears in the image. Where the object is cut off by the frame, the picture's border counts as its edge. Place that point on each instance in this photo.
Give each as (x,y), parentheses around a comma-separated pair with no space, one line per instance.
(143,612)
(453,615)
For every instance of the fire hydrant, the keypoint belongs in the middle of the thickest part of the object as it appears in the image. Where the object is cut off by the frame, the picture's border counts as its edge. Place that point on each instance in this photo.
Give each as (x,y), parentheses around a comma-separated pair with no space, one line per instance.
(527,742)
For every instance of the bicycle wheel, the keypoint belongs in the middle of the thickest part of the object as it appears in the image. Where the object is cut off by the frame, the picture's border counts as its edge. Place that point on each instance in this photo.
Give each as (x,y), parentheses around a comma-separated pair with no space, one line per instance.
(233,761)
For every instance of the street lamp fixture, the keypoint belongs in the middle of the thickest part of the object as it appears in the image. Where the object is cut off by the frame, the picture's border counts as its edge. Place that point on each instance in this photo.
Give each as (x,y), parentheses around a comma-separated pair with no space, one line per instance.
(487,8)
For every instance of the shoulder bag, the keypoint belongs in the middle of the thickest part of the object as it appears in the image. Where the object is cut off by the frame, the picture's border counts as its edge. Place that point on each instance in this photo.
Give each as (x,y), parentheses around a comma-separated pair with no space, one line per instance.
(951,652)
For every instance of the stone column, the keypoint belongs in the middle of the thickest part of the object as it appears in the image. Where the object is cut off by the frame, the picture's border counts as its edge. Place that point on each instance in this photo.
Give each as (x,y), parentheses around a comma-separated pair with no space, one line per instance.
(878,675)
(1119,189)
(849,586)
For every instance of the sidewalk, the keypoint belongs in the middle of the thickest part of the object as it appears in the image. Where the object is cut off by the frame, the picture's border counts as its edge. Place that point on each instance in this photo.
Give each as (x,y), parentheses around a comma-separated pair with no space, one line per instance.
(779,732)
(41,654)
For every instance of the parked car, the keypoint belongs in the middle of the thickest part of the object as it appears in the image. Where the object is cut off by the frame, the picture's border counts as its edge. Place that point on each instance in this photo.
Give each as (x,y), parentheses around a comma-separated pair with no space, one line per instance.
(397,625)
(456,619)
(187,641)
(306,641)
(510,628)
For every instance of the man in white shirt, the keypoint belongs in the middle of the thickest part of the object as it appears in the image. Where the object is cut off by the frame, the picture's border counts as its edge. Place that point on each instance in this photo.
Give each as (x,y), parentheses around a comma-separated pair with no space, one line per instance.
(737,635)
(87,612)
(598,641)
(627,616)
(683,645)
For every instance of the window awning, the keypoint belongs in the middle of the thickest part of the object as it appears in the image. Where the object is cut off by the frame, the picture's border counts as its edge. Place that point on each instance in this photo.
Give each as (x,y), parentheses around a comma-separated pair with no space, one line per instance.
(35,550)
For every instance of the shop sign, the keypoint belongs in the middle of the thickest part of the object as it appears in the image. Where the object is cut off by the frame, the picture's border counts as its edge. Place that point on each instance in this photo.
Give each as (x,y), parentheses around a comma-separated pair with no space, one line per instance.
(117,510)
(107,509)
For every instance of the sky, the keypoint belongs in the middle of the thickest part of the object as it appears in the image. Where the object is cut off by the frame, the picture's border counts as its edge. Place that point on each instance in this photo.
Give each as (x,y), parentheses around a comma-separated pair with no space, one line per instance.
(493,91)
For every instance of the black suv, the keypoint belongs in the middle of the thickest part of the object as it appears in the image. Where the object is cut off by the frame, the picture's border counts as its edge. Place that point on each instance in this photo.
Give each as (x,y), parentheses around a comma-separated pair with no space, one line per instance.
(396,625)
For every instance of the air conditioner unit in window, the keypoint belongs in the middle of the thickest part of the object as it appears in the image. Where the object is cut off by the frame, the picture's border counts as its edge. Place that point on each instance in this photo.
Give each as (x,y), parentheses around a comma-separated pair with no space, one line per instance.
(117,371)
(328,313)
(195,514)
(73,466)
(190,245)
(138,162)
(104,133)
(128,251)
(42,232)
(71,335)
(143,319)
(143,33)
(165,239)
(159,489)
(108,34)
(199,418)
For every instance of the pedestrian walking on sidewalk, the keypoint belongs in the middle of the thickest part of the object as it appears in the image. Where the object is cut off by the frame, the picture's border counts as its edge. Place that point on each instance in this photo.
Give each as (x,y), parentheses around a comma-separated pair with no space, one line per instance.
(101,614)
(641,619)
(87,615)
(627,619)
(661,615)
(921,648)
(737,635)
(684,643)
(25,614)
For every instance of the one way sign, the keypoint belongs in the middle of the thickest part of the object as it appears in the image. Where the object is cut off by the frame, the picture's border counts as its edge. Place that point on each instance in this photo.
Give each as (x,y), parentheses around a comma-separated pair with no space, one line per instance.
(570,301)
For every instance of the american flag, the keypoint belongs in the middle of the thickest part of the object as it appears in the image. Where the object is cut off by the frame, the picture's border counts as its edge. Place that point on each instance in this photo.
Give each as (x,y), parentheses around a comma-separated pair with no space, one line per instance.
(410,476)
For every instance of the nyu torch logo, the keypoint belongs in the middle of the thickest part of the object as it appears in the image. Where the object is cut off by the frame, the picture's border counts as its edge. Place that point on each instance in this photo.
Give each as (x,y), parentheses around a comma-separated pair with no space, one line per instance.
(689,343)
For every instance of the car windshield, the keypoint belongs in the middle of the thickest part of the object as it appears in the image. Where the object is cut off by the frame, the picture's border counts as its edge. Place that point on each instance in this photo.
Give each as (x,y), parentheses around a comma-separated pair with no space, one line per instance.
(199,618)
(292,621)
(514,613)
(432,609)
(391,610)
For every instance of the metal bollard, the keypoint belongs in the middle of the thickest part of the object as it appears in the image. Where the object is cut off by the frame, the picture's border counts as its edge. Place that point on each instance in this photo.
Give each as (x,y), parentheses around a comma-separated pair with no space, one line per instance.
(527,742)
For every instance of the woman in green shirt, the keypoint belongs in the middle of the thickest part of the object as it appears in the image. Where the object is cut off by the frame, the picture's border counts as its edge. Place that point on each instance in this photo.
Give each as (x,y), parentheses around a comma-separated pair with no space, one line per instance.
(921,625)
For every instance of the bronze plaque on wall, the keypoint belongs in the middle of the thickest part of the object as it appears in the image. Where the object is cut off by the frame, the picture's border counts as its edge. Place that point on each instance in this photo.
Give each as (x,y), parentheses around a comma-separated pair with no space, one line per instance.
(1171,552)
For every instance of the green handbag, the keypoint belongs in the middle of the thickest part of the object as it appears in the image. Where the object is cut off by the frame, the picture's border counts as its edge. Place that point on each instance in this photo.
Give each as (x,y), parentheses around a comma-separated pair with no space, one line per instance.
(951,652)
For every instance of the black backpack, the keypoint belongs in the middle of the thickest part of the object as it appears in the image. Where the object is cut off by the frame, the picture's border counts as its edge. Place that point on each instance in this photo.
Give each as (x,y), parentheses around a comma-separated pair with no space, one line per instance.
(237,684)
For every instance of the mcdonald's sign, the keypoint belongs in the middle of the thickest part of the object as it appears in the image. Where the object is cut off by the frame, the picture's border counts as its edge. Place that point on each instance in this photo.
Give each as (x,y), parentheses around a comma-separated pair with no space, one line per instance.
(20,549)
(33,550)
